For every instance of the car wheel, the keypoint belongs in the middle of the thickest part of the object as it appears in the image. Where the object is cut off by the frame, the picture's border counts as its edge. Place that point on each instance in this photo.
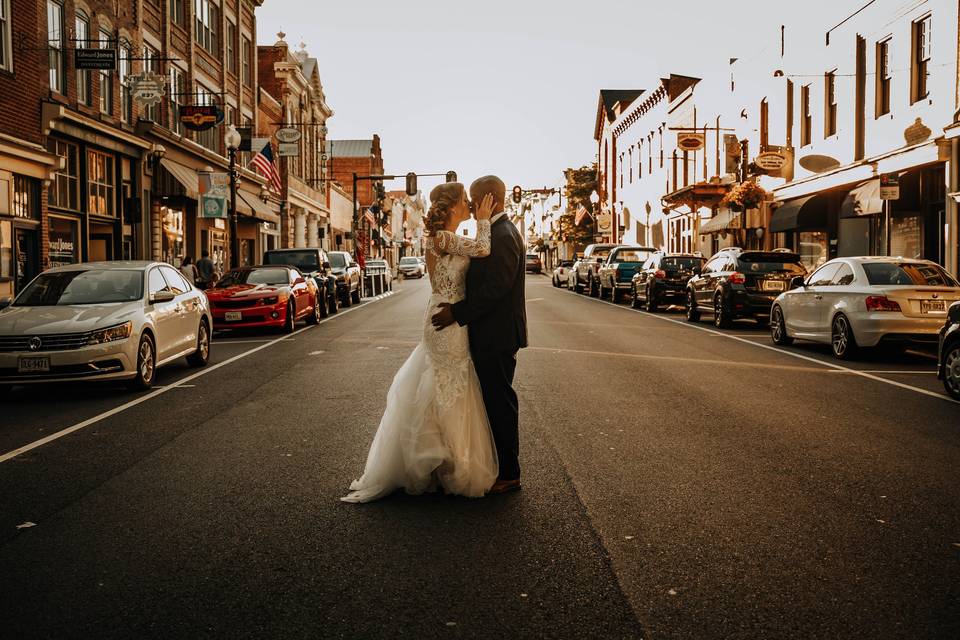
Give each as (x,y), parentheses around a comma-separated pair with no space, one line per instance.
(290,321)
(651,302)
(201,356)
(556,282)
(634,301)
(951,370)
(778,328)
(721,317)
(593,286)
(693,314)
(333,303)
(355,296)
(146,365)
(842,341)
(616,295)
(314,316)
(577,287)
(346,298)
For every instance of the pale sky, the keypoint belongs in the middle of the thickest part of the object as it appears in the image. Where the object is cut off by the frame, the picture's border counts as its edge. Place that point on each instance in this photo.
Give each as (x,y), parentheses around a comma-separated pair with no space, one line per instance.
(510,86)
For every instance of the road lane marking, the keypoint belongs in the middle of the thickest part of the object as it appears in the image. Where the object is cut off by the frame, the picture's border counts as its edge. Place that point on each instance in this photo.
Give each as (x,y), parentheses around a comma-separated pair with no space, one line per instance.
(161,390)
(215,341)
(647,356)
(890,372)
(792,354)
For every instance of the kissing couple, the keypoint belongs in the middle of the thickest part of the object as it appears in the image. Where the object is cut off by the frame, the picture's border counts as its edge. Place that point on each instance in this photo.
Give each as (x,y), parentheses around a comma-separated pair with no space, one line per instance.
(451,421)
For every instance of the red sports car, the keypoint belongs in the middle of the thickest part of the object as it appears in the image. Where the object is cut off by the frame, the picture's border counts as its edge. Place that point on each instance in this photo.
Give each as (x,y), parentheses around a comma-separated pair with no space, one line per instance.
(263,296)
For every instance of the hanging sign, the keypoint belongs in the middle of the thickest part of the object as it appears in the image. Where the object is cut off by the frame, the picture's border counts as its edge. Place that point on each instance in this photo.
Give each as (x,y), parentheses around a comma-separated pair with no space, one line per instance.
(200,117)
(257,144)
(890,186)
(287,134)
(691,140)
(95,59)
(214,192)
(603,222)
(288,149)
(771,160)
(147,88)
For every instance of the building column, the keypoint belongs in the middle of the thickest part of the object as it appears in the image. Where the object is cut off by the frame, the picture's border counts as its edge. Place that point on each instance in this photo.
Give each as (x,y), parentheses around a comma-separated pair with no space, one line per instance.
(299,229)
(313,239)
(951,259)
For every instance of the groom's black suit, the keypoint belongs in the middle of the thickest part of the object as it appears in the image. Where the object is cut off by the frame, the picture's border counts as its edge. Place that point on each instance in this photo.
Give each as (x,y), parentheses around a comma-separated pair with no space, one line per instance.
(495,314)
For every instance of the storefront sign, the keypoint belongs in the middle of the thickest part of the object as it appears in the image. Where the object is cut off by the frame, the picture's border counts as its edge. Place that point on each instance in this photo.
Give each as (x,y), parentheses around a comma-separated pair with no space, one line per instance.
(691,140)
(147,88)
(288,149)
(771,160)
(257,144)
(287,134)
(200,117)
(63,241)
(95,59)
(214,195)
(890,186)
(603,222)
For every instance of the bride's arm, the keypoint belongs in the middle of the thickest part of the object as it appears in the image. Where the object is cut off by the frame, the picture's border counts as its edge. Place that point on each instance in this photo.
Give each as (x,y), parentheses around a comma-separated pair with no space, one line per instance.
(448,242)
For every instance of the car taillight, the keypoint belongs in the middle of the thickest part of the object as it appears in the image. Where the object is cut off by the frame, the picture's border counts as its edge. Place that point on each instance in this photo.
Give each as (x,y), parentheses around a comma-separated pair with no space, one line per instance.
(660,274)
(881,303)
(737,278)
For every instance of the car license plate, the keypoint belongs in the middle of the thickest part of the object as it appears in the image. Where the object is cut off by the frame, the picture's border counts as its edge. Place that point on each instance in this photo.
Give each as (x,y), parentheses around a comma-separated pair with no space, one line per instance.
(232,316)
(774,285)
(33,365)
(932,306)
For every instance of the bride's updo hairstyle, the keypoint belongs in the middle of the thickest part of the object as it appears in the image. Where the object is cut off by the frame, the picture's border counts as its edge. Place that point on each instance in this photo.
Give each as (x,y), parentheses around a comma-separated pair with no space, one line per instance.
(443,198)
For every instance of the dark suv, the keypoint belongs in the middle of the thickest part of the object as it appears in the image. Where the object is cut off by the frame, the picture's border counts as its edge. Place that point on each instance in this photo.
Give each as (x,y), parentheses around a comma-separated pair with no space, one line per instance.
(349,279)
(948,364)
(663,279)
(737,284)
(312,262)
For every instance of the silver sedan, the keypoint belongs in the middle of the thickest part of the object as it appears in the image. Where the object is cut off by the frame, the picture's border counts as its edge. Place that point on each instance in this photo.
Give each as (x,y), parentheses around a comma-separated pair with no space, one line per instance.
(850,303)
(102,321)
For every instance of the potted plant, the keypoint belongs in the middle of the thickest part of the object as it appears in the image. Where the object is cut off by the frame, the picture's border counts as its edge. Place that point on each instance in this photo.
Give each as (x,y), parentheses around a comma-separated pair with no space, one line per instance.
(746,195)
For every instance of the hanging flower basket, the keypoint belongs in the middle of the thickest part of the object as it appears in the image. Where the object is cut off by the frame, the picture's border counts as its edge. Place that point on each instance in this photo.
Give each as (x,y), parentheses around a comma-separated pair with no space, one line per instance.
(746,195)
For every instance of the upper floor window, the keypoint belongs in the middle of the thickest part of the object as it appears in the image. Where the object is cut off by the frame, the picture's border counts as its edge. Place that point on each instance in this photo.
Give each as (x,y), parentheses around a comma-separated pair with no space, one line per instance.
(55,38)
(246,52)
(151,62)
(177,90)
(106,79)
(829,104)
(922,52)
(26,197)
(209,138)
(125,69)
(883,78)
(101,183)
(82,28)
(806,117)
(65,188)
(6,37)
(207,16)
(231,46)
(177,13)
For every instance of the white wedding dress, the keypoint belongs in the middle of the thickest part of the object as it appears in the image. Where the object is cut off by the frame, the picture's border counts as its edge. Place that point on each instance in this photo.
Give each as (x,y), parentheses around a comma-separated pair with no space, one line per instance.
(435,429)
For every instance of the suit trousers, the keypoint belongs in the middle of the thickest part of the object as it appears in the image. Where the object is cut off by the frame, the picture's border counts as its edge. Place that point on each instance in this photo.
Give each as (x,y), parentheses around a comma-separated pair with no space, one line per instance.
(495,370)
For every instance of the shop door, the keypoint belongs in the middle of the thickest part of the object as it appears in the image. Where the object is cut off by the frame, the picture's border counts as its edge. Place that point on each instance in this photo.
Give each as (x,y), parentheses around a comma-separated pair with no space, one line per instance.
(27,256)
(101,248)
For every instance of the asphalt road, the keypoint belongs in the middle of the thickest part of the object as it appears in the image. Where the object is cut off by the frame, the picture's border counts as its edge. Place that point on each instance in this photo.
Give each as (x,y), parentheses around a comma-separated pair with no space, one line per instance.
(679,482)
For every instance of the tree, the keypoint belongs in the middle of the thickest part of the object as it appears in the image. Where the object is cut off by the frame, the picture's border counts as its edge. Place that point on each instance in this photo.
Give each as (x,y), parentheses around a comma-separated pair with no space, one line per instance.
(580,184)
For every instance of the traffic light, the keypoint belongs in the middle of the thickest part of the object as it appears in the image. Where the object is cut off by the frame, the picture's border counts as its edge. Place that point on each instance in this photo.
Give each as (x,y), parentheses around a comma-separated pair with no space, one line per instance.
(411,184)
(451,176)
(517,194)
(379,190)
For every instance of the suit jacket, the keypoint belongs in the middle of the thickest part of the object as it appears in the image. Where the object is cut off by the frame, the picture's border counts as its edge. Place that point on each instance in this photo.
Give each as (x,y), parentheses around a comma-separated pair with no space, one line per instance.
(494,309)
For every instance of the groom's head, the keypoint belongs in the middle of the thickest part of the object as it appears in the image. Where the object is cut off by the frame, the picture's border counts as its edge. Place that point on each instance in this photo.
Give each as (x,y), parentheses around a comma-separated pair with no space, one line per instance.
(492,185)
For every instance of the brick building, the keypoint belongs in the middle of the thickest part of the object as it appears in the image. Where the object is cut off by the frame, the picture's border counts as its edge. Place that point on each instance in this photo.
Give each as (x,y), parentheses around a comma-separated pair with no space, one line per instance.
(362,157)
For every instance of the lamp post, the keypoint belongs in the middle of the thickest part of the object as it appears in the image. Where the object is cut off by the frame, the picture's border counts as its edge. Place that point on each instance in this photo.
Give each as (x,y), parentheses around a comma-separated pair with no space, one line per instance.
(232,140)
(595,201)
(157,152)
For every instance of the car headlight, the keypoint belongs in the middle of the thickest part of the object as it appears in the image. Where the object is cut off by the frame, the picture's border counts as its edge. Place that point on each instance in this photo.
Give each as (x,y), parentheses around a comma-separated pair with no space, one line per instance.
(270,301)
(111,334)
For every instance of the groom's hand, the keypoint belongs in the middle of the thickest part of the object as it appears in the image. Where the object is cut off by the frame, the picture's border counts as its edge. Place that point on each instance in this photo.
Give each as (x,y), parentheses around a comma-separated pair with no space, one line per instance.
(443,318)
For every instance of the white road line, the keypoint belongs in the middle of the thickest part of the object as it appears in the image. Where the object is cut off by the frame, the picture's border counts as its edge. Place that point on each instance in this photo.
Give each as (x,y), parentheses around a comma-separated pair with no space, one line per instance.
(832,365)
(215,341)
(161,390)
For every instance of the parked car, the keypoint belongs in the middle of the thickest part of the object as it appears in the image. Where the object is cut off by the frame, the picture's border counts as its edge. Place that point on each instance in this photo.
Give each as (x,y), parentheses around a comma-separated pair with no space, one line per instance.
(349,279)
(103,321)
(533,263)
(852,303)
(616,272)
(411,267)
(948,362)
(583,274)
(663,278)
(561,273)
(737,284)
(264,296)
(376,266)
(314,263)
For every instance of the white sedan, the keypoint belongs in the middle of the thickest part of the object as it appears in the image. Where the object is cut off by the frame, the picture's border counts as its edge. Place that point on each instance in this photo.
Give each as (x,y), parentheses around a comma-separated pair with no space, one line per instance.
(851,303)
(102,321)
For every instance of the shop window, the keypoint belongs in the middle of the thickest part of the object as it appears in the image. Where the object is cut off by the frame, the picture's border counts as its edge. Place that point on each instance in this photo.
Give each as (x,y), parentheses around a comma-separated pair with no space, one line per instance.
(883,78)
(65,186)
(806,117)
(26,197)
(829,104)
(906,237)
(55,40)
(101,184)
(126,98)
(246,54)
(812,247)
(64,247)
(921,54)
(106,81)
(82,26)
(231,47)
(207,31)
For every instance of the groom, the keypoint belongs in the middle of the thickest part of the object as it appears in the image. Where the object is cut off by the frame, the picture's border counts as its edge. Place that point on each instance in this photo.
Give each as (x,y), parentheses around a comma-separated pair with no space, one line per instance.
(496,319)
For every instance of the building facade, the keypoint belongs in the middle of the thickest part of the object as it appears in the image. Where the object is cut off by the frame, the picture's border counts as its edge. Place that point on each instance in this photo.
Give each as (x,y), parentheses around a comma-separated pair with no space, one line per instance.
(346,158)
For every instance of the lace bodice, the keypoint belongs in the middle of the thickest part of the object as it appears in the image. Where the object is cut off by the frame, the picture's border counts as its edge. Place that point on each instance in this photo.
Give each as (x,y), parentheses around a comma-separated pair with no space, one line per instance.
(453,253)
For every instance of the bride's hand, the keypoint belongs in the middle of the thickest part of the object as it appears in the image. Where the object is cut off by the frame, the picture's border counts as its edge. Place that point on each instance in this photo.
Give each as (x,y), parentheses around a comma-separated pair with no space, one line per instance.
(485,210)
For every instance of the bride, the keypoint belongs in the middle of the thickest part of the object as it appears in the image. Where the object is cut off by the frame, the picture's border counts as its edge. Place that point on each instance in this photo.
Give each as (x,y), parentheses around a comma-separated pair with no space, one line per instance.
(434,430)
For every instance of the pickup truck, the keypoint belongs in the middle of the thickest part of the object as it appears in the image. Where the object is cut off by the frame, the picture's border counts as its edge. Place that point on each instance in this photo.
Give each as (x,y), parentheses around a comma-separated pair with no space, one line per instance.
(617,271)
(314,263)
(583,274)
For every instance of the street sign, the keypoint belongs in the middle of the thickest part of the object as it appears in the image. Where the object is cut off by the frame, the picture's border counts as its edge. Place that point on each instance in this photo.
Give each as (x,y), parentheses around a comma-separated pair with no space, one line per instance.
(691,140)
(95,59)
(288,149)
(890,186)
(147,88)
(287,134)
(200,117)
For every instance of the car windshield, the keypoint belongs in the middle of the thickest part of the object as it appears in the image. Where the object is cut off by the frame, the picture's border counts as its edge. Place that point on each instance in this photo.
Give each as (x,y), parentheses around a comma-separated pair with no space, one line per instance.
(337,260)
(681,263)
(94,286)
(630,256)
(303,260)
(600,253)
(409,261)
(266,275)
(907,273)
(787,263)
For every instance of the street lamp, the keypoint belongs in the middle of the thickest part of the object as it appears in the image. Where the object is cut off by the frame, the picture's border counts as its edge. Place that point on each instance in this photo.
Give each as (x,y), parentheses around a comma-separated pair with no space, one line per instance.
(232,140)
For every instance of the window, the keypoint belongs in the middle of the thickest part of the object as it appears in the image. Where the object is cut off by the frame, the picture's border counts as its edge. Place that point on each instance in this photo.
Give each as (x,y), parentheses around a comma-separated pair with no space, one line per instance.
(26,197)
(209,138)
(231,46)
(177,15)
(101,181)
(844,276)
(806,119)
(65,186)
(246,51)
(6,36)
(156,283)
(177,89)
(82,25)
(883,78)
(829,104)
(125,69)
(764,124)
(823,276)
(151,62)
(920,67)
(106,82)
(174,280)
(207,32)
(55,38)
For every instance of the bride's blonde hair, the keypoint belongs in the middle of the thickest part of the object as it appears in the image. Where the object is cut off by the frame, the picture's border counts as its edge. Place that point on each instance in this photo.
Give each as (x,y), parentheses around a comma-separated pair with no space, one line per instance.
(443,198)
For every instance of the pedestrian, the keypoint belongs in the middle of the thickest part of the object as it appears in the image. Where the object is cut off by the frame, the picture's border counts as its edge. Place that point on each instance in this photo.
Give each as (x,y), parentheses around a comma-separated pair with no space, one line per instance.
(188,269)
(205,270)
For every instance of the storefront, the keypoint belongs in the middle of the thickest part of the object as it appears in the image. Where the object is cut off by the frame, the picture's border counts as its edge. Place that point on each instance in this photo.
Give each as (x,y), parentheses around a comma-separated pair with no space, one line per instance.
(808,226)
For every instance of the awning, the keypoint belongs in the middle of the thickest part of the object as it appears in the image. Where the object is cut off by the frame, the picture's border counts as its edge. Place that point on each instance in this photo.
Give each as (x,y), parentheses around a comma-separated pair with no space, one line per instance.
(863,200)
(186,176)
(261,210)
(726,219)
(808,212)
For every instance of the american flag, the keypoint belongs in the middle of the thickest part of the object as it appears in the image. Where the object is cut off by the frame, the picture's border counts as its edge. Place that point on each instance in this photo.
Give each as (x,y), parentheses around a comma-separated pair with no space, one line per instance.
(581,214)
(263,161)
(370,218)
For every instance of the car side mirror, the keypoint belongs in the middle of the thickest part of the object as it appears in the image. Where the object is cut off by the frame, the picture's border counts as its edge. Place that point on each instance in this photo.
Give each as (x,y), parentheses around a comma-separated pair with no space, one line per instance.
(162,296)
(5,302)
(797,282)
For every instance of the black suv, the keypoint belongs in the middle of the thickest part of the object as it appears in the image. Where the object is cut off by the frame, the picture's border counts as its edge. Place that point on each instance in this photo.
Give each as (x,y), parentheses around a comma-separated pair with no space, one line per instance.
(737,284)
(349,278)
(663,279)
(312,262)
(948,364)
